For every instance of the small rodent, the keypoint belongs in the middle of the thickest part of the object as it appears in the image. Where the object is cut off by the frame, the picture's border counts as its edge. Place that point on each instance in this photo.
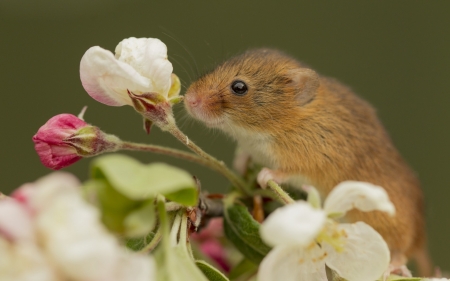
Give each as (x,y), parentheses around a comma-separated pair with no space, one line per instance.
(310,129)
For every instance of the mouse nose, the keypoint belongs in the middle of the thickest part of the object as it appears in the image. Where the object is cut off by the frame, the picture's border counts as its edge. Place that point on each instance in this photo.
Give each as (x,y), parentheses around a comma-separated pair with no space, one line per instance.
(193,100)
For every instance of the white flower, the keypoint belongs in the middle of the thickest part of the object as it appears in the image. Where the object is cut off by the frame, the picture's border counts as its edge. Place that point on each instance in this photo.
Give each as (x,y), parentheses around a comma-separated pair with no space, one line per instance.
(59,236)
(306,238)
(140,66)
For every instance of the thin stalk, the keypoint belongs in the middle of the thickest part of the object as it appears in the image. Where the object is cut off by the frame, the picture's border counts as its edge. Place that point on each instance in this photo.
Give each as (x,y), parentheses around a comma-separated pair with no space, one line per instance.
(155,241)
(219,165)
(166,151)
(204,159)
(175,229)
(163,222)
(282,196)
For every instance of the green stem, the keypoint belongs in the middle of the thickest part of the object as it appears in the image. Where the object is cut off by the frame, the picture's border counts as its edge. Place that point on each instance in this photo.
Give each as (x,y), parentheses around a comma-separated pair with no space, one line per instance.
(175,229)
(218,165)
(280,193)
(155,241)
(163,222)
(166,151)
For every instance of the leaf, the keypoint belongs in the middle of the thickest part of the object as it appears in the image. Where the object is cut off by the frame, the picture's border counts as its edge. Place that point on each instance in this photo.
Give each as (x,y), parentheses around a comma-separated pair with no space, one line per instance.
(138,181)
(175,265)
(113,205)
(243,231)
(242,269)
(141,221)
(137,244)
(212,273)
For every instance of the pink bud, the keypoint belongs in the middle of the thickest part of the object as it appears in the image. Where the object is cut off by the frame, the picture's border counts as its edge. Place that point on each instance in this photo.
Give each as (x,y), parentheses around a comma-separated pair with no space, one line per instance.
(65,139)
(49,141)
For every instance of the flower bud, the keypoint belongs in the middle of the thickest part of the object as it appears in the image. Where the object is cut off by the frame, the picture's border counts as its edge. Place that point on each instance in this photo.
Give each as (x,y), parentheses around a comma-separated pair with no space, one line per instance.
(65,139)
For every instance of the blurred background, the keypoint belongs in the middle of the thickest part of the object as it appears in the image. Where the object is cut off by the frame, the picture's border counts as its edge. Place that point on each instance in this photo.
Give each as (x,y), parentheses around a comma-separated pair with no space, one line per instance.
(395,54)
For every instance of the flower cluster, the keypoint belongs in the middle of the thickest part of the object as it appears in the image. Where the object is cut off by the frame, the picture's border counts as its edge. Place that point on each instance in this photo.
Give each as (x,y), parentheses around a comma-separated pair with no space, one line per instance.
(49,233)
(305,238)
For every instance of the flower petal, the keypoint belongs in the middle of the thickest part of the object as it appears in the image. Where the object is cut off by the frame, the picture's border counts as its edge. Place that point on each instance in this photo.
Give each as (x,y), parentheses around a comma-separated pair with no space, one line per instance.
(107,79)
(361,195)
(365,257)
(15,221)
(290,263)
(148,56)
(25,261)
(293,224)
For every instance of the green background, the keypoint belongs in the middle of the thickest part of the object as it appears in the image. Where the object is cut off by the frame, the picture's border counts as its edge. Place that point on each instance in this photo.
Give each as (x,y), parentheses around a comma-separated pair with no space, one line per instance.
(395,54)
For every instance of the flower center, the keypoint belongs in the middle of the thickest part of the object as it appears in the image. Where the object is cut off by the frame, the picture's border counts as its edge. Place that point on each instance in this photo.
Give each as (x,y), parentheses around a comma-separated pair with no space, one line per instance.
(333,236)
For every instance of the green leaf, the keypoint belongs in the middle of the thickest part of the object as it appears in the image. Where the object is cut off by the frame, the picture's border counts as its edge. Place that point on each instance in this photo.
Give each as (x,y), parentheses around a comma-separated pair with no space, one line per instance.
(186,197)
(176,265)
(138,181)
(243,268)
(243,231)
(141,221)
(137,244)
(113,205)
(212,273)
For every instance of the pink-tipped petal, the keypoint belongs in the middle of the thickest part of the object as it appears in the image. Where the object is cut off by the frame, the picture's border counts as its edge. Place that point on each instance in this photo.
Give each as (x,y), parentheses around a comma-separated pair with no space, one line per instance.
(107,79)
(56,157)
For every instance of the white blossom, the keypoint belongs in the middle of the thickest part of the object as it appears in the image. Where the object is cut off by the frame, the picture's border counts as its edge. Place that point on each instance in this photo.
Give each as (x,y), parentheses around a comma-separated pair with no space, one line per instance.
(140,65)
(305,240)
(59,236)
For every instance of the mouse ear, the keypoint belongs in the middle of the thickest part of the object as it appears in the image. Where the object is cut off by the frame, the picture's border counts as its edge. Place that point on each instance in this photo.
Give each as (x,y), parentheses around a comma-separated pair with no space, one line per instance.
(306,82)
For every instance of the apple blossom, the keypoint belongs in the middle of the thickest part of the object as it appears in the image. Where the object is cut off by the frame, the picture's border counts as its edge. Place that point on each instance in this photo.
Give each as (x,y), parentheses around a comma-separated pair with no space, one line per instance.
(305,238)
(65,139)
(139,75)
(59,236)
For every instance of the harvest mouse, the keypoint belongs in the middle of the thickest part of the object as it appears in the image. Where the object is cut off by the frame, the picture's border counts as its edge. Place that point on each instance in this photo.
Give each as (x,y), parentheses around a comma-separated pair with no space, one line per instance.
(308,129)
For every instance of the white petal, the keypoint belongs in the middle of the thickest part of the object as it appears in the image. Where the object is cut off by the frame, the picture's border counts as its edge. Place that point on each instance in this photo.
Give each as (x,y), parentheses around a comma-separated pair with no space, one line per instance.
(365,257)
(293,224)
(135,267)
(23,261)
(75,239)
(107,79)
(15,221)
(42,192)
(148,56)
(288,263)
(361,195)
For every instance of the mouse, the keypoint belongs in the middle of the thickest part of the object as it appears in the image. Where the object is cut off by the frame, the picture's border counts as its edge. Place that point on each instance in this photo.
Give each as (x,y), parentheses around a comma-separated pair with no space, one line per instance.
(308,129)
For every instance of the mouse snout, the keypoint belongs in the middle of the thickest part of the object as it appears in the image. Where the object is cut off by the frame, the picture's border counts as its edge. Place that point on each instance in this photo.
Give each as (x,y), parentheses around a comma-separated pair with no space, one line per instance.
(193,100)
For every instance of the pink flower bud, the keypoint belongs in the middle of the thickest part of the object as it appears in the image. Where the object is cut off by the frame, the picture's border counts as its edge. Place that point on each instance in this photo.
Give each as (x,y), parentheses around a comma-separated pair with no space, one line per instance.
(65,139)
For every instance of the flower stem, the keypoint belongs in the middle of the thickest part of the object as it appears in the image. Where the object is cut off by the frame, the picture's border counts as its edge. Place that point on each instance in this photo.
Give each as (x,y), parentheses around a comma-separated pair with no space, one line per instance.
(163,222)
(218,165)
(167,151)
(280,193)
(207,161)
(155,241)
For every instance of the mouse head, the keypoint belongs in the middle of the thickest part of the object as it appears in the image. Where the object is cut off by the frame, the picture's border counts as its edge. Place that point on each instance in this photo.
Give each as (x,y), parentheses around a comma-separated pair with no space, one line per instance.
(255,91)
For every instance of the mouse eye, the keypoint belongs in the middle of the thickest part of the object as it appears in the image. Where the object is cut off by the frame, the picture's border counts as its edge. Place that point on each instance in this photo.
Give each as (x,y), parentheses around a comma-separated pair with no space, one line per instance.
(239,88)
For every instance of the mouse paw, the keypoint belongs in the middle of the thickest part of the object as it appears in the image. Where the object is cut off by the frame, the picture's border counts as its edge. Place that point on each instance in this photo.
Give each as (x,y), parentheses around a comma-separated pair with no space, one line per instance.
(264,176)
(240,162)
(401,270)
